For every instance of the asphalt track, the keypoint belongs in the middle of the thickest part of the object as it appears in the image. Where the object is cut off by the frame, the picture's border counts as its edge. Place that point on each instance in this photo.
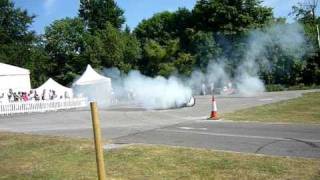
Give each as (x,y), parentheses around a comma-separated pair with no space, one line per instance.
(128,124)
(258,138)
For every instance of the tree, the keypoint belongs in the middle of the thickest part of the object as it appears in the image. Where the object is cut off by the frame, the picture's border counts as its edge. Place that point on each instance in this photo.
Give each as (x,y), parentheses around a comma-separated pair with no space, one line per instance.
(230,17)
(96,13)
(158,28)
(40,64)
(200,34)
(113,46)
(109,47)
(153,55)
(204,47)
(131,52)
(185,63)
(64,42)
(306,13)
(164,26)
(166,69)
(15,37)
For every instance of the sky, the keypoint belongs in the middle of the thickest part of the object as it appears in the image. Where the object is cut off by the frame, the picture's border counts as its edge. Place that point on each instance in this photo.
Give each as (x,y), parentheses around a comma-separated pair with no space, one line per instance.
(47,11)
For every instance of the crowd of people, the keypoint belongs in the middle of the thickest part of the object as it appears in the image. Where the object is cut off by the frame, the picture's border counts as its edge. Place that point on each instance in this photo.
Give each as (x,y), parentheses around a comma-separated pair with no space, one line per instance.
(32,95)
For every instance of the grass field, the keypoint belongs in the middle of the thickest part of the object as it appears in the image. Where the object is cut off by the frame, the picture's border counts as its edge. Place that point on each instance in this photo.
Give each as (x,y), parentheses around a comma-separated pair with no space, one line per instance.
(42,157)
(305,109)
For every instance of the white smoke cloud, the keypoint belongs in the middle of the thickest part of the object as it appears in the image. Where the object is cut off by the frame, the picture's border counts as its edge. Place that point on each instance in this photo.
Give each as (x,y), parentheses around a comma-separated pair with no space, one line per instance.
(195,81)
(163,93)
(287,38)
(248,85)
(150,93)
(216,72)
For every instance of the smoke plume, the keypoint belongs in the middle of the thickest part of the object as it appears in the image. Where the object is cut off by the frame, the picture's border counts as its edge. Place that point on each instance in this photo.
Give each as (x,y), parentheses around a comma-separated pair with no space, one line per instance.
(288,39)
(147,92)
(162,93)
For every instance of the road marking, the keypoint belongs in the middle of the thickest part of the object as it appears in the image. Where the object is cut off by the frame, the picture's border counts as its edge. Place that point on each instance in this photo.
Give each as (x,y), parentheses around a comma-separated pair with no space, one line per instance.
(195,118)
(267,99)
(237,135)
(191,128)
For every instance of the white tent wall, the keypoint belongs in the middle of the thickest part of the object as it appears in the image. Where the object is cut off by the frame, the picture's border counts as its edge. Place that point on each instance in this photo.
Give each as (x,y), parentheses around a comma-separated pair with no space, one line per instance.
(15,82)
(93,86)
(98,91)
(15,78)
(59,89)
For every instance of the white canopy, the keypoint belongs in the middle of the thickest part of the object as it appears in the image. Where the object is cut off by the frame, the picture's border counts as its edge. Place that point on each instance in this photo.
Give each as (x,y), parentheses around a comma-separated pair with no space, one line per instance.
(93,86)
(90,76)
(15,78)
(59,89)
(7,69)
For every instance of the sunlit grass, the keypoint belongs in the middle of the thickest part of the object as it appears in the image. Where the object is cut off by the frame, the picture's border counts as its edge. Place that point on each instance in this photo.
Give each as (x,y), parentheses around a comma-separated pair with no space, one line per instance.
(305,109)
(42,157)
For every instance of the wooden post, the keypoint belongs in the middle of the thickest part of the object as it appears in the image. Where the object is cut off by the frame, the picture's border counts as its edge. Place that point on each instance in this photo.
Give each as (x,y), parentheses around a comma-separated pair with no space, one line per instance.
(97,141)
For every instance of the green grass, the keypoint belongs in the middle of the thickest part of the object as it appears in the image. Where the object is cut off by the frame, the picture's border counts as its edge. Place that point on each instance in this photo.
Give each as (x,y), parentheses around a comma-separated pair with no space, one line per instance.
(41,157)
(305,109)
(279,87)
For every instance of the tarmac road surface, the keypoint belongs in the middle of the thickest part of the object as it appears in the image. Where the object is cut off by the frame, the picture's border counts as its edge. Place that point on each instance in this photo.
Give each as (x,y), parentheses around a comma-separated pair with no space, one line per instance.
(259,138)
(181,127)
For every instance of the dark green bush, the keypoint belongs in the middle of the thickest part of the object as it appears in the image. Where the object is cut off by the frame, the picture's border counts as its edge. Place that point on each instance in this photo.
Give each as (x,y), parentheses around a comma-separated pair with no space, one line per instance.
(275,87)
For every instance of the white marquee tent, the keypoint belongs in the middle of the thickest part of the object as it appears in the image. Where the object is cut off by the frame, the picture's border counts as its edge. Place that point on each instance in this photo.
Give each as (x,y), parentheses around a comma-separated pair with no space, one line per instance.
(15,78)
(59,89)
(93,86)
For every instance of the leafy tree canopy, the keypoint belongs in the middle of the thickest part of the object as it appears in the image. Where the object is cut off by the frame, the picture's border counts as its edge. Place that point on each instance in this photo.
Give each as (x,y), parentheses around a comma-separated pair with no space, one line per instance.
(96,13)
(64,42)
(15,37)
(230,16)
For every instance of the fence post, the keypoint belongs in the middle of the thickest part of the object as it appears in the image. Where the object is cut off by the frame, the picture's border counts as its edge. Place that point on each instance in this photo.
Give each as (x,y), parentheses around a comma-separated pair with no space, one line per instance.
(97,141)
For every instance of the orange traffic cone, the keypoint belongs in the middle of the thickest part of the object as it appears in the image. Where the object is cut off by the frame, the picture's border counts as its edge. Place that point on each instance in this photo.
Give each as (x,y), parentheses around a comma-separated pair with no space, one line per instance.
(214,111)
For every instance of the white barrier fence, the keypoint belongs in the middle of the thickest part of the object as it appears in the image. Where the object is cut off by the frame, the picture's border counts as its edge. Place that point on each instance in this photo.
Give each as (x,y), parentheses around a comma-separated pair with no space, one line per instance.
(41,106)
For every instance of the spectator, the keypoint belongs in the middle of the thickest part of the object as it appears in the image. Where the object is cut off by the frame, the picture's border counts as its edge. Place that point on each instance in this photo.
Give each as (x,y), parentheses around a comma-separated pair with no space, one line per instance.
(203,89)
(30,95)
(10,96)
(212,88)
(15,97)
(36,96)
(19,96)
(53,95)
(43,96)
(24,96)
